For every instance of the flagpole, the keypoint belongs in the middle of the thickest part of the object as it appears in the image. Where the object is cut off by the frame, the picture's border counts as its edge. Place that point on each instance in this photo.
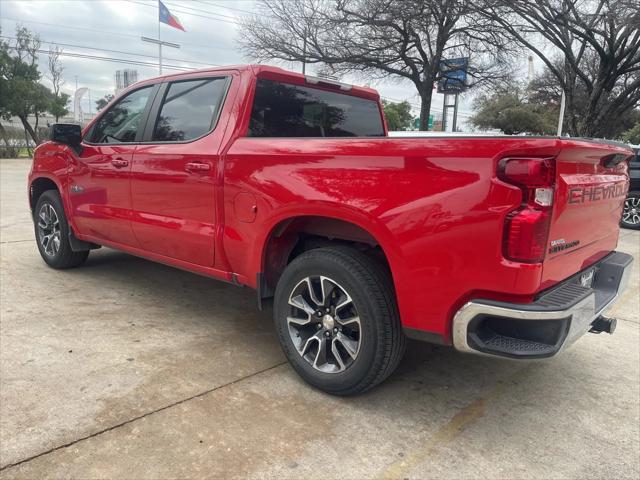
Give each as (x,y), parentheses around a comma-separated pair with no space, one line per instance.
(159,43)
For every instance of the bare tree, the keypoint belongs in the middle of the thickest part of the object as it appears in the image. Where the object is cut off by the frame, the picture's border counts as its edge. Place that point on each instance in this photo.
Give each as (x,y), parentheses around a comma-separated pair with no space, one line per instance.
(56,69)
(26,46)
(595,54)
(379,39)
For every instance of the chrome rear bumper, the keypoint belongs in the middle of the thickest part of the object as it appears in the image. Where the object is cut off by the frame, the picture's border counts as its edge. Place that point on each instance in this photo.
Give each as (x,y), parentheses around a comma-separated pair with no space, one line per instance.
(556,319)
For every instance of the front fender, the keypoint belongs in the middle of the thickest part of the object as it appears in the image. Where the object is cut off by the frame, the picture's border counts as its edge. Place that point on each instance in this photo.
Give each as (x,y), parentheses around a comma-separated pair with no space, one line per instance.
(51,161)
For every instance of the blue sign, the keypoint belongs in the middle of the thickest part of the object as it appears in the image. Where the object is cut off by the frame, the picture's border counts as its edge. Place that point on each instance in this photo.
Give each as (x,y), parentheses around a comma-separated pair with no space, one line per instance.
(453,75)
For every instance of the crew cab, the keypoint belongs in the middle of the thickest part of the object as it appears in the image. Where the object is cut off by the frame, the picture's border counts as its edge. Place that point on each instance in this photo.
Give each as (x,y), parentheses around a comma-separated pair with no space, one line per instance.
(289,184)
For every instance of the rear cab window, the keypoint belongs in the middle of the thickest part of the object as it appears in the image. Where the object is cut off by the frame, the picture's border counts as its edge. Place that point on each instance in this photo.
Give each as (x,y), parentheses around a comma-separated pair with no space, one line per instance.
(286,110)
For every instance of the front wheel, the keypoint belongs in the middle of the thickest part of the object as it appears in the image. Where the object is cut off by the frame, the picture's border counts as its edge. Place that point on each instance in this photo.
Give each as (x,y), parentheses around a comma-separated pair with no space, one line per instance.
(52,233)
(631,212)
(337,320)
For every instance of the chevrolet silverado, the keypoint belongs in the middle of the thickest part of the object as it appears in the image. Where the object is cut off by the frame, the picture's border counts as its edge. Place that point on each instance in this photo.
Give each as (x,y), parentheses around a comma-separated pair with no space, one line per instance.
(290,185)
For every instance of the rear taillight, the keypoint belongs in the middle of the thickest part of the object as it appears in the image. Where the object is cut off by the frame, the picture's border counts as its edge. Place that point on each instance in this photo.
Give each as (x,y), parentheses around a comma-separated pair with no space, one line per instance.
(527,227)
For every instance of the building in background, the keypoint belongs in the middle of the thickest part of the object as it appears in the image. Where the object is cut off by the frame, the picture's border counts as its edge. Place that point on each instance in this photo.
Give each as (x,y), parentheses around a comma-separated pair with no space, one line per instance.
(124,78)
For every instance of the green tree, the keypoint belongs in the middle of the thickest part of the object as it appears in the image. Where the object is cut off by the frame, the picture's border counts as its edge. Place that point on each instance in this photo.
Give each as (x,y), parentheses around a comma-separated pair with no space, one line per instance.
(509,109)
(58,105)
(21,94)
(633,135)
(4,87)
(398,115)
(102,102)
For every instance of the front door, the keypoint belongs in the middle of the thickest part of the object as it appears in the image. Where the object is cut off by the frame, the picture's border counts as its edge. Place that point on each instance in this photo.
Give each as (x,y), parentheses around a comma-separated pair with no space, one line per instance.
(100,175)
(174,173)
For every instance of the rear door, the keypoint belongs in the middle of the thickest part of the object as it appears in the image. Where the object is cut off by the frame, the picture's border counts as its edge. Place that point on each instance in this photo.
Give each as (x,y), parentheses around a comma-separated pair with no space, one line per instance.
(99,187)
(591,185)
(174,171)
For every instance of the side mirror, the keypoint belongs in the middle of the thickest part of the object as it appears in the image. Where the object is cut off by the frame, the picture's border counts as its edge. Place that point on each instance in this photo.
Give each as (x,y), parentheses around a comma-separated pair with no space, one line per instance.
(66,133)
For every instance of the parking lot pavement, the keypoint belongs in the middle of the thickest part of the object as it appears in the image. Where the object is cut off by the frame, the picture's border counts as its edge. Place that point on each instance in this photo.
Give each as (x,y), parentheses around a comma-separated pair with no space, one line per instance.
(126,368)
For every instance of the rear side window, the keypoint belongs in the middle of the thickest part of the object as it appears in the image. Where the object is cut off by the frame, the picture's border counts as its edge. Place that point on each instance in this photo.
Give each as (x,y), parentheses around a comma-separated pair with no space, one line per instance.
(189,109)
(121,122)
(285,110)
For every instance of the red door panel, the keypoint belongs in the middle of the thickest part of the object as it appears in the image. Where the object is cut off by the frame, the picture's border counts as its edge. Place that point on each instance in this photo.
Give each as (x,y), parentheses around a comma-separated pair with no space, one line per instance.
(173,179)
(99,192)
(173,202)
(100,176)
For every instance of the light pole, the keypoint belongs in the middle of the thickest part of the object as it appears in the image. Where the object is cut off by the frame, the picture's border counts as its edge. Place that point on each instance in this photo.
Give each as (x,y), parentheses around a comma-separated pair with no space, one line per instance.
(304,55)
(160,43)
(561,118)
(563,98)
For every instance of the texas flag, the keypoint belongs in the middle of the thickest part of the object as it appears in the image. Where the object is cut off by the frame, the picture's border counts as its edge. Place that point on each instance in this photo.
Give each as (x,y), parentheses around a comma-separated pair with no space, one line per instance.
(168,18)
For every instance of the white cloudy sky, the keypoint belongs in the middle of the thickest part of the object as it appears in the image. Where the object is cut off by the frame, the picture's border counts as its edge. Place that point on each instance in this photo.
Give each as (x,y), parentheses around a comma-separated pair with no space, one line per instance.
(111,29)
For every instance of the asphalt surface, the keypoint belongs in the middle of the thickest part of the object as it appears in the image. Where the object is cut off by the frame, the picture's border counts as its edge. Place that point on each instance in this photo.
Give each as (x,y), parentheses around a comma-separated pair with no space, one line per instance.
(128,369)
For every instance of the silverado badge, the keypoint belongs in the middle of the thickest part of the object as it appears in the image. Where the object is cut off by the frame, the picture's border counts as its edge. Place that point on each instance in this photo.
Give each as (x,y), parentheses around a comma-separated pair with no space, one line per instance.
(560,244)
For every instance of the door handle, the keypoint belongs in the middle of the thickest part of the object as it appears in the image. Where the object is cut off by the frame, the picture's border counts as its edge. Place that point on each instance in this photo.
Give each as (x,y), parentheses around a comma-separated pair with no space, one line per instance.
(119,162)
(197,167)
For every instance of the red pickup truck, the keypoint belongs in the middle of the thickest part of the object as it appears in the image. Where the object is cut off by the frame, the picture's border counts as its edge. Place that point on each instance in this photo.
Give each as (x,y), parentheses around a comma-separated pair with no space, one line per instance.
(289,184)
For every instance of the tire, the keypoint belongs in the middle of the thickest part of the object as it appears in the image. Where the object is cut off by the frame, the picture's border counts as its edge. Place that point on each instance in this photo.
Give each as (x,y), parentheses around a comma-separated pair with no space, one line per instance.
(50,222)
(365,323)
(631,218)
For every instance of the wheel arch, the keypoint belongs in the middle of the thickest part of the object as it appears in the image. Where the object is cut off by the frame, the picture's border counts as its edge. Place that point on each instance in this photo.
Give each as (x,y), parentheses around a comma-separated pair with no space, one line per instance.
(40,183)
(38,186)
(290,236)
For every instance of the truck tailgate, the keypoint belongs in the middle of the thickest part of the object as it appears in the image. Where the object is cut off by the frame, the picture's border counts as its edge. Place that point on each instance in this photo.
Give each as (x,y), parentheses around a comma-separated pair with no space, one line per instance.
(591,185)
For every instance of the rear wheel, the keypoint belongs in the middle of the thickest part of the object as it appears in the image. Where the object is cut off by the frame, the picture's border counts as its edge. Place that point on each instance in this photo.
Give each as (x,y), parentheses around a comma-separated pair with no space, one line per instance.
(52,233)
(337,320)
(631,212)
